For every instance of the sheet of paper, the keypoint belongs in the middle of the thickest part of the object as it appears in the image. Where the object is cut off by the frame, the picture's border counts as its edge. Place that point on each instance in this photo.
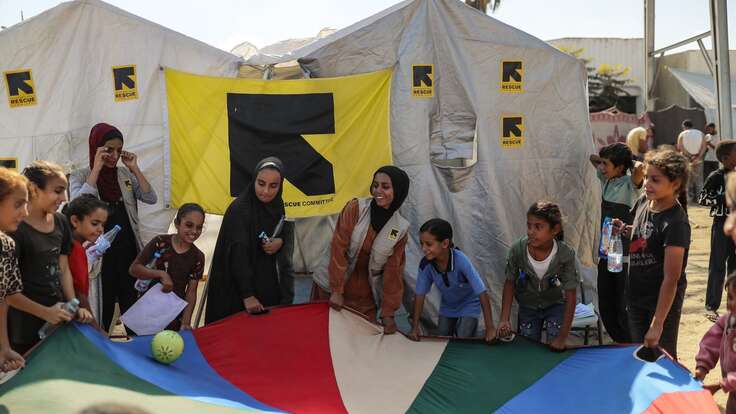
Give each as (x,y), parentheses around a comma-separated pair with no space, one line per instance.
(153,311)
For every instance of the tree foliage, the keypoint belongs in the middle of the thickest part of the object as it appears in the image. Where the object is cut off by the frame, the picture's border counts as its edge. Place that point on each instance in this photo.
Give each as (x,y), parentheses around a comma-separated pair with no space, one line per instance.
(606,83)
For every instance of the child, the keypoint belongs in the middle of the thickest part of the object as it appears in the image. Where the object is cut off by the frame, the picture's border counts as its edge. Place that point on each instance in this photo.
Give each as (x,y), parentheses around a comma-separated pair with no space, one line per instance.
(181,263)
(718,344)
(43,244)
(722,255)
(87,215)
(620,191)
(463,292)
(660,238)
(13,200)
(541,274)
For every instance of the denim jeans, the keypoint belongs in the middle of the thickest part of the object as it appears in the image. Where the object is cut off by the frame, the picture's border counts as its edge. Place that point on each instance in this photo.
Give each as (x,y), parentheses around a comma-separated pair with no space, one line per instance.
(462,327)
(531,321)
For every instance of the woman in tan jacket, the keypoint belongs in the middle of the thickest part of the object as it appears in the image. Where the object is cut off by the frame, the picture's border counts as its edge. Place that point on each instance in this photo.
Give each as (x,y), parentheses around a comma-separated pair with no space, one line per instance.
(365,268)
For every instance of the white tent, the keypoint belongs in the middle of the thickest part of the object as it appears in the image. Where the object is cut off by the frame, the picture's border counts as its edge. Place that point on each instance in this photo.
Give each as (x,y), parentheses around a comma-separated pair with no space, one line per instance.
(450,144)
(71,50)
(702,88)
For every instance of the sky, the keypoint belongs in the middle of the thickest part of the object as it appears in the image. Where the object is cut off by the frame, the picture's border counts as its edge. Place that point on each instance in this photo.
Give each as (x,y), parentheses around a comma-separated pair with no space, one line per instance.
(226,23)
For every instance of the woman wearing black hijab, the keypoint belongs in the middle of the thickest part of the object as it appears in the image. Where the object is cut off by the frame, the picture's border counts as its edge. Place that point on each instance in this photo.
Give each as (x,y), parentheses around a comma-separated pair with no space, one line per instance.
(365,268)
(244,274)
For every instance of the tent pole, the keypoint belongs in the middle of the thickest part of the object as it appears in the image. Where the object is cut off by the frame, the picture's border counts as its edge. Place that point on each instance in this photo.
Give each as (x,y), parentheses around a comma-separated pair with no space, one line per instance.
(719,30)
(649,66)
(198,317)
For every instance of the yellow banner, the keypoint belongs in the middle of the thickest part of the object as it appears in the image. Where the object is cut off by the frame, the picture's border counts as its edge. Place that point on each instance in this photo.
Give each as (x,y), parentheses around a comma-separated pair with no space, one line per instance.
(331,134)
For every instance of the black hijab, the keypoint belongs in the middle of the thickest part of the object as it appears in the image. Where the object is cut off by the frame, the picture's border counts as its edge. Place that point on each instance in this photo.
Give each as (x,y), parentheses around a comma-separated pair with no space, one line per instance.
(400,183)
(240,268)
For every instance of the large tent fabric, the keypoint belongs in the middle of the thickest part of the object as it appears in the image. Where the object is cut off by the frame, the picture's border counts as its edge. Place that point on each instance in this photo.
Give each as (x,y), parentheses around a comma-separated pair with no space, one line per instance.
(702,89)
(71,50)
(450,143)
(342,363)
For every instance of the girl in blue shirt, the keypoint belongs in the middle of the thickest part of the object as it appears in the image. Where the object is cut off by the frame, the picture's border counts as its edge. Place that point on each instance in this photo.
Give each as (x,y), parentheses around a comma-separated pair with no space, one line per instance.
(463,292)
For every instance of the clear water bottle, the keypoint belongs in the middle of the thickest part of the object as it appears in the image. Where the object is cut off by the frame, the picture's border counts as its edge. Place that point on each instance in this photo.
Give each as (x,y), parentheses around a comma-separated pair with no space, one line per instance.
(141,285)
(615,254)
(103,243)
(71,307)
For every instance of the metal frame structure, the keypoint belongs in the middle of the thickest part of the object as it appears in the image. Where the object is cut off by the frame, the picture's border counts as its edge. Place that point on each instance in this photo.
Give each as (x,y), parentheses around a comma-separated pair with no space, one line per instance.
(719,69)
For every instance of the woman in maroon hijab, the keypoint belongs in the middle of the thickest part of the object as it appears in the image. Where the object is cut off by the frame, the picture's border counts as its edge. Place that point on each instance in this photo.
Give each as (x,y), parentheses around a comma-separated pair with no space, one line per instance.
(121,188)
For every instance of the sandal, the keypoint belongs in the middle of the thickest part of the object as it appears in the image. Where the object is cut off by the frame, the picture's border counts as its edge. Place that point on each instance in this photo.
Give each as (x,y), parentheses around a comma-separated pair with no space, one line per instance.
(712,315)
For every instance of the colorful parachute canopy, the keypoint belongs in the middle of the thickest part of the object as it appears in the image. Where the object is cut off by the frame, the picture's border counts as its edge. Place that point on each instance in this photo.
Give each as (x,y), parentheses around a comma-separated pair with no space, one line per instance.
(310,359)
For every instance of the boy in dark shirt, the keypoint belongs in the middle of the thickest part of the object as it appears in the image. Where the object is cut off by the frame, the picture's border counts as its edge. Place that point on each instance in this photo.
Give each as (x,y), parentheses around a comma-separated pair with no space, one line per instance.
(722,254)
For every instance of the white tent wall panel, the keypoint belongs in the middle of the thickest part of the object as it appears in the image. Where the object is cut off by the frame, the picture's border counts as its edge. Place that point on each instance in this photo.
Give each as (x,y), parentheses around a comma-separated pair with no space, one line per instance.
(71,50)
(486,202)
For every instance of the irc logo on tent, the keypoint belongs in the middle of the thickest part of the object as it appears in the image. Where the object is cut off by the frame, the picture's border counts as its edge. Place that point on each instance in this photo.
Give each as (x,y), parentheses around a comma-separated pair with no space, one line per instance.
(512,76)
(21,91)
(422,81)
(512,131)
(9,163)
(125,84)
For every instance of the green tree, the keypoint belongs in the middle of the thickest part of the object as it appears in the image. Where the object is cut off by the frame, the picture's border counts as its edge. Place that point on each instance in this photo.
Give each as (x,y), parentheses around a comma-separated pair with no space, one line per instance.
(606,83)
(482,5)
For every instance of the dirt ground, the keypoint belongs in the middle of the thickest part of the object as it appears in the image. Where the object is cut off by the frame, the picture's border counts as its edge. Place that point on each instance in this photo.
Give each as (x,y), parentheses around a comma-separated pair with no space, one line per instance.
(693,323)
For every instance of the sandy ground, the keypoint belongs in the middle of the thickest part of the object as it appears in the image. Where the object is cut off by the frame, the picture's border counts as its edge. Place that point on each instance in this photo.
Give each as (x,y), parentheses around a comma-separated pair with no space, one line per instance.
(693,323)
(692,326)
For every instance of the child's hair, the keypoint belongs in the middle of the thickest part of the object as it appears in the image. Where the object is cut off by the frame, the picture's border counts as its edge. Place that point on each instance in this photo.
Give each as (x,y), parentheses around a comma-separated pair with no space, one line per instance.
(83,206)
(724,149)
(710,125)
(619,154)
(634,137)
(672,164)
(40,172)
(549,212)
(687,124)
(440,229)
(10,181)
(186,209)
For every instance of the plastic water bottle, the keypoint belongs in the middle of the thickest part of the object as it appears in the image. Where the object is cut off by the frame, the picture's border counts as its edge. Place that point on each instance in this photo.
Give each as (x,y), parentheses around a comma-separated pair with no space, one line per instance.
(72,307)
(103,243)
(615,254)
(141,285)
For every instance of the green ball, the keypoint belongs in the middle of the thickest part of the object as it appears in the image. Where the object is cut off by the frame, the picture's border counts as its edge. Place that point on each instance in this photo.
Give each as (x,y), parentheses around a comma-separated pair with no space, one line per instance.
(167,346)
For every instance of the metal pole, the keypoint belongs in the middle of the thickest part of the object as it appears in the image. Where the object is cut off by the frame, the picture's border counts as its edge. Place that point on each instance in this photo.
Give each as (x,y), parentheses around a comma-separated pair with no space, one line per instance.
(649,67)
(198,317)
(723,67)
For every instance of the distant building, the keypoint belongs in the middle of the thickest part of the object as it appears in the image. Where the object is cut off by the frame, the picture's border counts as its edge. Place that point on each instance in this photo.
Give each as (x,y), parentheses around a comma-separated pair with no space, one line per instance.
(629,53)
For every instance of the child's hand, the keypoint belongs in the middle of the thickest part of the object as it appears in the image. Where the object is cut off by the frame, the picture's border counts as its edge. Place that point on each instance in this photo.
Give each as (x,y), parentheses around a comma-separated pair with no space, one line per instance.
(558,344)
(185,327)
(101,156)
(272,246)
(130,160)
(10,360)
(490,334)
(167,285)
(504,329)
(651,339)
(84,316)
(414,334)
(336,301)
(712,388)
(252,304)
(700,374)
(56,314)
